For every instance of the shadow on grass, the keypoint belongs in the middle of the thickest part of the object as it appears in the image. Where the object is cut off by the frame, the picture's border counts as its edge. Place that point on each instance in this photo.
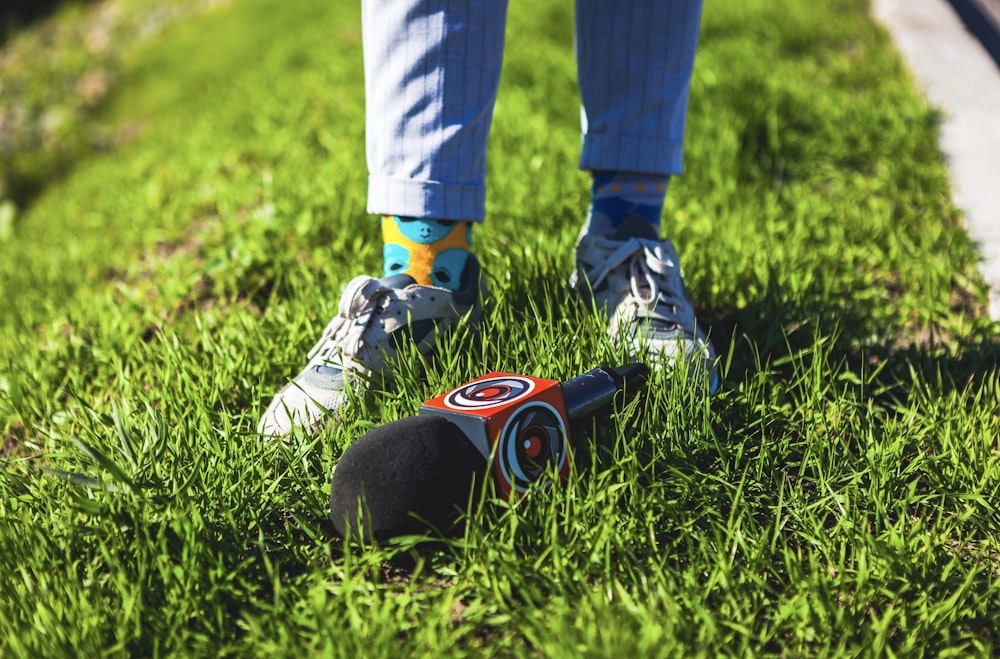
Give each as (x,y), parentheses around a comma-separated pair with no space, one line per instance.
(800,369)
(774,329)
(772,332)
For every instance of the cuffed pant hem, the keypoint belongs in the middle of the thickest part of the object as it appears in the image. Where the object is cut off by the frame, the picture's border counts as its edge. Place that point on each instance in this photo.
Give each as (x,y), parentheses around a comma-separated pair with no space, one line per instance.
(631,154)
(441,201)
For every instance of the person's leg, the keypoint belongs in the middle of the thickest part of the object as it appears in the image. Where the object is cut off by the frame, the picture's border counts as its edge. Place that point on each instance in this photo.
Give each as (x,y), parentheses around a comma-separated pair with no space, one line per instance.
(635,59)
(432,68)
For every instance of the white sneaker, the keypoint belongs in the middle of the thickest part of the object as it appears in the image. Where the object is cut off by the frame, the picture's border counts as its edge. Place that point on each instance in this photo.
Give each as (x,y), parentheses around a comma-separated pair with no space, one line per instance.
(634,277)
(375,318)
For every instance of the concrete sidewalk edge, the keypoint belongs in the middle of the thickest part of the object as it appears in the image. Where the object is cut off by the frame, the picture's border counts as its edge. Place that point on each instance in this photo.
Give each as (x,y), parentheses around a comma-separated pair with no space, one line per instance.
(959,77)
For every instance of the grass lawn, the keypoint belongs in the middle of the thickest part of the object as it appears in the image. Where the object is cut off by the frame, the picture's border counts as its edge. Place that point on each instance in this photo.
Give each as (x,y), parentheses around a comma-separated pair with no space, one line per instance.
(171,244)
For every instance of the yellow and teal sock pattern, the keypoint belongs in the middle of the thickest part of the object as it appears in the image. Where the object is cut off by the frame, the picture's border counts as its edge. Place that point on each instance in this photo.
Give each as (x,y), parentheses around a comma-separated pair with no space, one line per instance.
(433,252)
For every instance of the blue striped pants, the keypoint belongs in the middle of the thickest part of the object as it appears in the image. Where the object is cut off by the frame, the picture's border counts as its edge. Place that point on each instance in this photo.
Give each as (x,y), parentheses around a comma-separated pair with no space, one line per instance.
(432,68)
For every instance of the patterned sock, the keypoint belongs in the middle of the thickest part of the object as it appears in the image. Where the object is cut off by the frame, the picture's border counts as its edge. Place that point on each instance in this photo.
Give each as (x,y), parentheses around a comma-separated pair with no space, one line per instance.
(615,196)
(433,252)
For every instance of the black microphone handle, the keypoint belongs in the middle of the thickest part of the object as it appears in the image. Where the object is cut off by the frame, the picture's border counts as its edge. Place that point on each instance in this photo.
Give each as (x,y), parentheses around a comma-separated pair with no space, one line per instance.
(594,390)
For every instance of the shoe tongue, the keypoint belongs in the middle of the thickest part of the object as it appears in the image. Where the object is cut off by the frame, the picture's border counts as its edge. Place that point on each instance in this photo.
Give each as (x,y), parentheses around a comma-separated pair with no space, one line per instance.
(397,281)
(361,292)
(636,226)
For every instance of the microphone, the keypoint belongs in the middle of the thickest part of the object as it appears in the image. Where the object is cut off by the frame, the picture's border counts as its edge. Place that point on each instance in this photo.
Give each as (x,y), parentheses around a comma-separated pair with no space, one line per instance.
(419,472)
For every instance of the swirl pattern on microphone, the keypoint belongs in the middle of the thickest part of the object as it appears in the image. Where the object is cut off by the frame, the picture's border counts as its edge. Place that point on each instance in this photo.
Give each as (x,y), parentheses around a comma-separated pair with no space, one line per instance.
(533,443)
(492,392)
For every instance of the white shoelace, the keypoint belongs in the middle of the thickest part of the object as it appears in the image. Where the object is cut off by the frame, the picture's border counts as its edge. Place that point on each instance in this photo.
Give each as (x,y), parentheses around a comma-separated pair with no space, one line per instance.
(648,265)
(365,301)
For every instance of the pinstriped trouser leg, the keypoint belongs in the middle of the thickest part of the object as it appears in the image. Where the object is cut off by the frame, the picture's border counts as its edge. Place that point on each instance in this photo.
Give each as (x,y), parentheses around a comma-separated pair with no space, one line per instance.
(635,59)
(432,68)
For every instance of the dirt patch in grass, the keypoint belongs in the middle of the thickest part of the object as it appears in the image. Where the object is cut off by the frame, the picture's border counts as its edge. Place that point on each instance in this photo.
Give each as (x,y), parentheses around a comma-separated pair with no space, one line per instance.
(13,441)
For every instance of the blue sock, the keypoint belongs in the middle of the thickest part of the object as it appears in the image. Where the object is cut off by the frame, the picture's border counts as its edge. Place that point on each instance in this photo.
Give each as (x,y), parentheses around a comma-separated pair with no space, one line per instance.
(616,196)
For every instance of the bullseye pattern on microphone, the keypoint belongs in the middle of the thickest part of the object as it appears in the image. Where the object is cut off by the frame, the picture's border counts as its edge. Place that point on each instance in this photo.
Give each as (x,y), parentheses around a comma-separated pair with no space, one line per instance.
(489,392)
(533,443)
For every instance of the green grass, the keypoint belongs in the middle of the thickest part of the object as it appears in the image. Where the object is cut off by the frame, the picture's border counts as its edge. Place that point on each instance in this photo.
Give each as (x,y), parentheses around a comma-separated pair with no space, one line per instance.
(838,496)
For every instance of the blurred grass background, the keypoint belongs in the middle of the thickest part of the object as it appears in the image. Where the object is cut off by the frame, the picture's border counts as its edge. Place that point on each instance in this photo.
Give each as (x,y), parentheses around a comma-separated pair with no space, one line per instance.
(183,196)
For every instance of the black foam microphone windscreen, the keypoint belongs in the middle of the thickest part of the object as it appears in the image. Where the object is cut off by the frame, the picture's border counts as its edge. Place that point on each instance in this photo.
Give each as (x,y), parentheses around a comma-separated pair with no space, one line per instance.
(404,477)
